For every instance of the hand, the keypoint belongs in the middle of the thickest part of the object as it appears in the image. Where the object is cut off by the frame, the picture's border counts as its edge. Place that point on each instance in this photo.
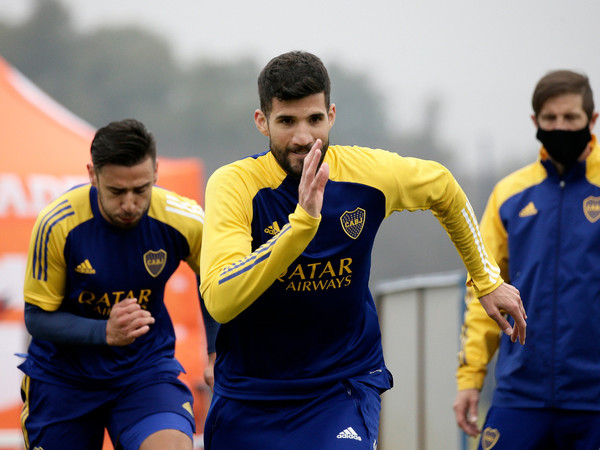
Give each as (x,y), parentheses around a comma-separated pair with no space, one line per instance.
(465,410)
(127,322)
(506,298)
(313,180)
(209,371)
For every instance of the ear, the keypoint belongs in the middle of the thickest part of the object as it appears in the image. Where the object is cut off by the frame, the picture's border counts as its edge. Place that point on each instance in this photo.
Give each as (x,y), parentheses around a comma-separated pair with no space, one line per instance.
(156,172)
(261,122)
(534,120)
(331,115)
(593,120)
(92,174)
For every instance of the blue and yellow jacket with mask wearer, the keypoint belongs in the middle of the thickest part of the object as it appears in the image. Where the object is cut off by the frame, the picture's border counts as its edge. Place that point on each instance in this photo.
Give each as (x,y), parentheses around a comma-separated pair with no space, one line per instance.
(544,231)
(291,290)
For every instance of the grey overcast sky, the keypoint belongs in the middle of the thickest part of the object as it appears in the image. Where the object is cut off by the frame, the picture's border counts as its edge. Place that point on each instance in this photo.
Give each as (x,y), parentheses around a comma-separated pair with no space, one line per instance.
(481,58)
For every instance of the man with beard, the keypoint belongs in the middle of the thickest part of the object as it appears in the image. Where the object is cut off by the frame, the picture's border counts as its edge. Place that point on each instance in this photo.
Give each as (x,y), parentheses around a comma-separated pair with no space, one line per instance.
(102,348)
(541,225)
(285,269)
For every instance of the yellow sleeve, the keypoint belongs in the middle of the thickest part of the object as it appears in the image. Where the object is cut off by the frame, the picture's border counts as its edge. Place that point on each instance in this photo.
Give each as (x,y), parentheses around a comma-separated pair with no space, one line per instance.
(232,275)
(429,185)
(459,220)
(45,273)
(413,184)
(480,335)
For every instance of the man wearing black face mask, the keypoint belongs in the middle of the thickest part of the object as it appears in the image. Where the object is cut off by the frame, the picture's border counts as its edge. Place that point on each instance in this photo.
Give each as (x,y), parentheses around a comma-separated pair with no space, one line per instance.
(542,224)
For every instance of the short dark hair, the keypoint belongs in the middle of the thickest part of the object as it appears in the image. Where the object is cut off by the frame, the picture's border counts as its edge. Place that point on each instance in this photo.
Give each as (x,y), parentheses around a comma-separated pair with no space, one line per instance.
(560,82)
(124,143)
(292,76)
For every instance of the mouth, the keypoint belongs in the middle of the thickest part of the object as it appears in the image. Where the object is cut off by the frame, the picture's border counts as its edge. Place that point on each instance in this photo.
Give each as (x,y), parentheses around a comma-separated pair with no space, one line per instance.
(127,219)
(299,152)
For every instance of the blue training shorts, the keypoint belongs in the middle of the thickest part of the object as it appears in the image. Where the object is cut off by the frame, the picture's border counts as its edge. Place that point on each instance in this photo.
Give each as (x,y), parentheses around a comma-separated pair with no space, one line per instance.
(344,417)
(56,417)
(540,429)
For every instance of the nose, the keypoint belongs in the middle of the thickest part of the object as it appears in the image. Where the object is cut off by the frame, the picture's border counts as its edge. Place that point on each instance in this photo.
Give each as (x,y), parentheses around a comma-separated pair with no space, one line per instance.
(560,124)
(302,135)
(128,203)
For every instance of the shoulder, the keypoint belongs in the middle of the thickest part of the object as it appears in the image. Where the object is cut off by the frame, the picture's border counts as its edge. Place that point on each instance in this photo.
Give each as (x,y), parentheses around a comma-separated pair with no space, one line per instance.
(341,155)
(519,181)
(247,175)
(174,209)
(365,158)
(68,210)
(381,169)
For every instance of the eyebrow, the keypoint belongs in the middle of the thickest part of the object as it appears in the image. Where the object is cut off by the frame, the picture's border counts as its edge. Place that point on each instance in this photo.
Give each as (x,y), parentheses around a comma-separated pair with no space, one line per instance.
(290,116)
(115,188)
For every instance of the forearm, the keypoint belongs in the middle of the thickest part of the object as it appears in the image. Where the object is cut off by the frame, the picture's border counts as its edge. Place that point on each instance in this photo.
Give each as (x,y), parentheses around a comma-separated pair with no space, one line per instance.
(230,285)
(460,221)
(63,327)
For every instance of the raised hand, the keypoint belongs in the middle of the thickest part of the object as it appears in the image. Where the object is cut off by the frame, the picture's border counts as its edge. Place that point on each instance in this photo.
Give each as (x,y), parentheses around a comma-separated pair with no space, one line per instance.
(313,180)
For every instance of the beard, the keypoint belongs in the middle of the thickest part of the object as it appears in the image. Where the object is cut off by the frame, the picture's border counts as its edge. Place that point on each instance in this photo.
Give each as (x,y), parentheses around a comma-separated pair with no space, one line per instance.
(282,156)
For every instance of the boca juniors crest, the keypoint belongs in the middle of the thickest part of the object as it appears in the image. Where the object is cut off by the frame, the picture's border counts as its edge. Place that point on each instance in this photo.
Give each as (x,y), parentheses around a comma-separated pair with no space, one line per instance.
(591,208)
(489,438)
(353,222)
(155,261)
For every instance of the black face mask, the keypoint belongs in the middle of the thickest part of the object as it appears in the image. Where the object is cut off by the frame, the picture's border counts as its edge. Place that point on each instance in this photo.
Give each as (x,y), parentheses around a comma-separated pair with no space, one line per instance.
(565,146)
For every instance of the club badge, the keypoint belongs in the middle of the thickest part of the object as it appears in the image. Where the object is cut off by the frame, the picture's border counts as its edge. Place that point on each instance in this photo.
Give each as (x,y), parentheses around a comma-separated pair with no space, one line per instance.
(489,438)
(155,261)
(591,208)
(353,222)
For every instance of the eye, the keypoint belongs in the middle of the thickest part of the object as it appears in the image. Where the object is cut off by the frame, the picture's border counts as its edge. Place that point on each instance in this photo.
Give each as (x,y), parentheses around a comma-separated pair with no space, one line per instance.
(285,120)
(548,117)
(316,119)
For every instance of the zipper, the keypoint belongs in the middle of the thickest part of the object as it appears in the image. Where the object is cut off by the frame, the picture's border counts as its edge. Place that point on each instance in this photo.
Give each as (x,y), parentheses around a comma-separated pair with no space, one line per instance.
(555,290)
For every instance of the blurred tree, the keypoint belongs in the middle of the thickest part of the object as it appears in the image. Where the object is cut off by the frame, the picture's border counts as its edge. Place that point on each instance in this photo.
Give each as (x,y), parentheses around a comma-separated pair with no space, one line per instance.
(205,109)
(212,112)
(120,73)
(42,46)
(360,118)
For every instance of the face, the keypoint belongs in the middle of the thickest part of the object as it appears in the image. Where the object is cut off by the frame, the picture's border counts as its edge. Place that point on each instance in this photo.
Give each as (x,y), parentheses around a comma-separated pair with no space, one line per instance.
(564,112)
(124,192)
(293,127)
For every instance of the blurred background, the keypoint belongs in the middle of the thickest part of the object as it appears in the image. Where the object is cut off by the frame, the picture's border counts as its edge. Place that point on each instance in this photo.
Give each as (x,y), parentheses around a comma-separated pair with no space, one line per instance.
(450,81)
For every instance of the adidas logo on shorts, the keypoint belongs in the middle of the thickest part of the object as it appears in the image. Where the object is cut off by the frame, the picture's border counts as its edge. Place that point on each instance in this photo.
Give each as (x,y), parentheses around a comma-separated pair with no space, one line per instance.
(349,433)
